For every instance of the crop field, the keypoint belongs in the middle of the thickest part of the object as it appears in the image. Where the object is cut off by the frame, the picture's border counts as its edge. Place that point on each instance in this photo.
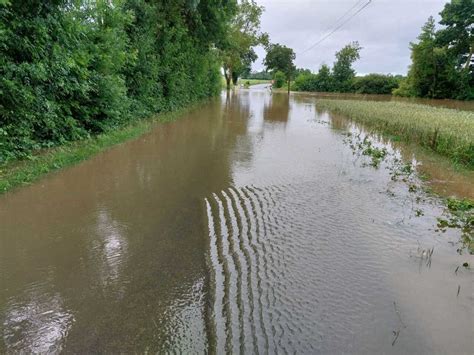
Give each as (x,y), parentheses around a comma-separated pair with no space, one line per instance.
(446,131)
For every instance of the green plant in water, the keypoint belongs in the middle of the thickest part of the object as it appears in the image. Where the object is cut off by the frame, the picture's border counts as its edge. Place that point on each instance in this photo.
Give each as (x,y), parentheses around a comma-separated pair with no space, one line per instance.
(459,214)
(377,154)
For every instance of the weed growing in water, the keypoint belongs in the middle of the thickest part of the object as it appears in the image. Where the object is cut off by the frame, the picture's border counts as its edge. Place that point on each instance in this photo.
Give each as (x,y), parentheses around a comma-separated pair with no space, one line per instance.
(458,214)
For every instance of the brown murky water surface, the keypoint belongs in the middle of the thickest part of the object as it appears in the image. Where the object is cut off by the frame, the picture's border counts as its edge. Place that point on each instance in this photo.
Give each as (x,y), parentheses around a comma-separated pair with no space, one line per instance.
(247,226)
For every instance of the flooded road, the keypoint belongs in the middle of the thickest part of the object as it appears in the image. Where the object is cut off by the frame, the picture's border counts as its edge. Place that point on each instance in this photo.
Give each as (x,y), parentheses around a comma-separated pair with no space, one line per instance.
(249,225)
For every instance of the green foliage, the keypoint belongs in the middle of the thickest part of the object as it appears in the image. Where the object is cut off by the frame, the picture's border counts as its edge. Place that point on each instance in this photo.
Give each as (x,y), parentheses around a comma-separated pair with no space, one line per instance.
(321,82)
(325,79)
(300,71)
(343,79)
(339,80)
(242,35)
(279,78)
(262,75)
(72,69)
(342,71)
(442,65)
(375,84)
(460,214)
(306,82)
(280,58)
(405,89)
(458,33)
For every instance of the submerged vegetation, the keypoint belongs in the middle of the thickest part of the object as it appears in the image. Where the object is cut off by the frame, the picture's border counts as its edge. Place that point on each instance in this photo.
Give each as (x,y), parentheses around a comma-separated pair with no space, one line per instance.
(458,213)
(446,131)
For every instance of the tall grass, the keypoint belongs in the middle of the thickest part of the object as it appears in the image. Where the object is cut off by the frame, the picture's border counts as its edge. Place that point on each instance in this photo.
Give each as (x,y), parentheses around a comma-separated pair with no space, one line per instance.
(446,131)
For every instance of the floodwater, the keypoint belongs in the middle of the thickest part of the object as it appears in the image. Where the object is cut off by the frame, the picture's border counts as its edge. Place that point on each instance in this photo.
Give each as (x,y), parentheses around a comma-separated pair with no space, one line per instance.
(454,104)
(249,225)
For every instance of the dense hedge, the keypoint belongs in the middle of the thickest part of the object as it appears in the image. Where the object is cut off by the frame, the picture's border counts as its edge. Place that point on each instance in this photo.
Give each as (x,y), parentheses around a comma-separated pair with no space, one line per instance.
(368,84)
(70,69)
(376,84)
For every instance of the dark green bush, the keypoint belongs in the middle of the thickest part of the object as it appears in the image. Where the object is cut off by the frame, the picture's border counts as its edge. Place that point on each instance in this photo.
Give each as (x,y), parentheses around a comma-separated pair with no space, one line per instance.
(306,82)
(375,84)
(321,82)
(280,79)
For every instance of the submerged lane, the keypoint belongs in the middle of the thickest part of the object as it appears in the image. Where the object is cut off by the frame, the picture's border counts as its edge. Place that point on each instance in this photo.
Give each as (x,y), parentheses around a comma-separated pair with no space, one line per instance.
(247,226)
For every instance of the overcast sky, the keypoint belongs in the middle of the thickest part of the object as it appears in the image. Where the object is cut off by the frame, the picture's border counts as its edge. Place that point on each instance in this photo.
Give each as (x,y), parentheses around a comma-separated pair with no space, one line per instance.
(384,29)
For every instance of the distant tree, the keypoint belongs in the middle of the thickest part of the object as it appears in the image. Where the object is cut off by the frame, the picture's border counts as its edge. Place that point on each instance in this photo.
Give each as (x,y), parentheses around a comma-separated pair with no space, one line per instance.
(279,78)
(432,72)
(423,70)
(325,79)
(244,67)
(442,61)
(243,34)
(457,37)
(375,84)
(262,75)
(322,81)
(281,58)
(299,71)
(343,73)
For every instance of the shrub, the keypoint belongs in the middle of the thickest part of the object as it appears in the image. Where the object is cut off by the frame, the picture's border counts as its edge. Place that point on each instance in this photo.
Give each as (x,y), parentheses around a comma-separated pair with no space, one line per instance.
(306,82)
(280,79)
(375,84)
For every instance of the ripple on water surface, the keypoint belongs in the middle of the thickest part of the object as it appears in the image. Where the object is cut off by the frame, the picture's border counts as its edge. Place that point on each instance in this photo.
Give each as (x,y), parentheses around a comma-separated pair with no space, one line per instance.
(294,269)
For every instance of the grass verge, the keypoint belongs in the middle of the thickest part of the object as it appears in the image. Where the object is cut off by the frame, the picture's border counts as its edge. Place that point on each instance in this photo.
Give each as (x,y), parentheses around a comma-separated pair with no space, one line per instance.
(17,173)
(446,131)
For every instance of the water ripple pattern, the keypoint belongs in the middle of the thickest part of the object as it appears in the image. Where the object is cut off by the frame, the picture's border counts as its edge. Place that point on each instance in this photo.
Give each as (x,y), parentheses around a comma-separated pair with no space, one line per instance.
(279,280)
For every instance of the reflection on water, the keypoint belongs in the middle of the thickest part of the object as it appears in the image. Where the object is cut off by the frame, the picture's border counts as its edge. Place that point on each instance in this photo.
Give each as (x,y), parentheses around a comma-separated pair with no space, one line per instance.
(246,226)
(110,248)
(37,324)
(277,109)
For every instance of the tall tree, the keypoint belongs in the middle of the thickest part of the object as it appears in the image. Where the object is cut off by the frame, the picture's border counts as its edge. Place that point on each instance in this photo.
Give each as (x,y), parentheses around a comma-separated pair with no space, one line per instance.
(343,73)
(458,35)
(281,58)
(243,34)
(324,79)
(433,70)
(422,73)
(442,61)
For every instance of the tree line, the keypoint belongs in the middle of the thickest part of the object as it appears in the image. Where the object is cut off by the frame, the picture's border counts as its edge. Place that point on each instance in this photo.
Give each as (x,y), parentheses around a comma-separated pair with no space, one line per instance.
(70,69)
(442,63)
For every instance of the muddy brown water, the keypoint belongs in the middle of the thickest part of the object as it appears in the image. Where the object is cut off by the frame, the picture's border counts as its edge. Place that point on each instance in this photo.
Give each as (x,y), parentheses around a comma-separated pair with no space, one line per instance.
(246,226)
